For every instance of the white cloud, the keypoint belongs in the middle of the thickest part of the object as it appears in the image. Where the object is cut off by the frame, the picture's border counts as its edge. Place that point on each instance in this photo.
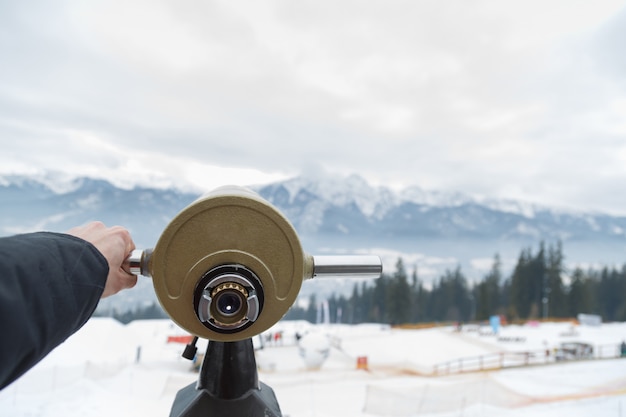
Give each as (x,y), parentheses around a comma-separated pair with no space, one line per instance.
(523,99)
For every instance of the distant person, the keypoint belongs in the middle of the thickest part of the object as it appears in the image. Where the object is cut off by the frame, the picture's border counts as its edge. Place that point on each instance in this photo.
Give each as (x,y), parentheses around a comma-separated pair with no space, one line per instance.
(622,349)
(50,285)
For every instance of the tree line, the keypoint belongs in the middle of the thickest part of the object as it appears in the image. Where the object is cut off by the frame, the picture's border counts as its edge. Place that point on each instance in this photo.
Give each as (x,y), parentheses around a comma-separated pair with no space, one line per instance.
(149,311)
(539,286)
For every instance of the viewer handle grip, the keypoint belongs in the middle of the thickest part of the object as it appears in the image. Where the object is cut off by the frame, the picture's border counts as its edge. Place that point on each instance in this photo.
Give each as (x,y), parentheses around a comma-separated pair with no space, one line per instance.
(347,266)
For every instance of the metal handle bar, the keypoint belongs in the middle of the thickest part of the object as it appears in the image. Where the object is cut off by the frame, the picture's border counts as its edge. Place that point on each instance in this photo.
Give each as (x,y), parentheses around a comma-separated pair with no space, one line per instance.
(342,266)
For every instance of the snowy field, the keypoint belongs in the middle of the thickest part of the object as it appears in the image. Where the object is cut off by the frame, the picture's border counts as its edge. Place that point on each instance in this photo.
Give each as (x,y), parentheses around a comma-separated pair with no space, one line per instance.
(108,369)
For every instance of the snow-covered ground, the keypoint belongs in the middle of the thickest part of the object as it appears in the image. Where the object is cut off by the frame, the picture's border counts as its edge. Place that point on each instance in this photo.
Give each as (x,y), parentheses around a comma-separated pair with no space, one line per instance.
(108,369)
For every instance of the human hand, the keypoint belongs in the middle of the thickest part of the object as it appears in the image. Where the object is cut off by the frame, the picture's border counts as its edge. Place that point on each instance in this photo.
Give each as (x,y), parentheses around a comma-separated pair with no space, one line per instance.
(115,244)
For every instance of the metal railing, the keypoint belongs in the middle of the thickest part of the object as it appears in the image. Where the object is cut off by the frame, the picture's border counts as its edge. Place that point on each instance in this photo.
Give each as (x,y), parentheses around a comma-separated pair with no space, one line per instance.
(502,360)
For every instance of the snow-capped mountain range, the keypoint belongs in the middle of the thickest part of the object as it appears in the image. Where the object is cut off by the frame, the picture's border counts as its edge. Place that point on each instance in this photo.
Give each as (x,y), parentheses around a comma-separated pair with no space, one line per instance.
(330,206)
(352,207)
(431,231)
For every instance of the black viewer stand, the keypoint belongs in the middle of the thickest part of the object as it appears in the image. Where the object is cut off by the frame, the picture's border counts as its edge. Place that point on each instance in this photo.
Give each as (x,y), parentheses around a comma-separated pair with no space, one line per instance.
(228,386)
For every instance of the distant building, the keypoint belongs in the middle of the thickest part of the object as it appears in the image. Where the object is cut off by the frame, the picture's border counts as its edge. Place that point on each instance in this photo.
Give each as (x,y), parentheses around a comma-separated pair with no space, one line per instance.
(589,319)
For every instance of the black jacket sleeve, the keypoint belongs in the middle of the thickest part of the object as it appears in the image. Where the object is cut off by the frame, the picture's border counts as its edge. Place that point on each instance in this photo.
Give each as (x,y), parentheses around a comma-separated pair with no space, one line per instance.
(50,284)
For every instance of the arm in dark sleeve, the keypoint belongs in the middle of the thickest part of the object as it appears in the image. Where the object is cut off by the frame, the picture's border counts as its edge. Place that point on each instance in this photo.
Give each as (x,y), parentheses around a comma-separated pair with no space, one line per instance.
(50,284)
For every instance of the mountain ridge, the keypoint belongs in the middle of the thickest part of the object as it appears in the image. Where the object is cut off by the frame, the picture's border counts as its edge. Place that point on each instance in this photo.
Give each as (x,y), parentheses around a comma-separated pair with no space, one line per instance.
(320,206)
(431,232)
(328,206)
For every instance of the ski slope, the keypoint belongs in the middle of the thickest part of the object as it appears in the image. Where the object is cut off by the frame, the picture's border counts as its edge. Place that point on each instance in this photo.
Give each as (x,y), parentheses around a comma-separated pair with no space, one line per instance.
(108,369)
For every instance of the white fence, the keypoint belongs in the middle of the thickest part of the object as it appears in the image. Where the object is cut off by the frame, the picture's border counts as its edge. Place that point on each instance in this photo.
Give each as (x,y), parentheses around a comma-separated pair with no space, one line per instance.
(526,358)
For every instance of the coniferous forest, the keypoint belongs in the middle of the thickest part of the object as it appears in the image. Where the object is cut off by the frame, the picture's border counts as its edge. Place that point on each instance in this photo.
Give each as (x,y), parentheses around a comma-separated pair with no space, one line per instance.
(539,286)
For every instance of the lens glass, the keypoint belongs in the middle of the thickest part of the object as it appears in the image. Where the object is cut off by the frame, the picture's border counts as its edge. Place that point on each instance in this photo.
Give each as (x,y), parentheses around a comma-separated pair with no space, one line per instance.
(229,303)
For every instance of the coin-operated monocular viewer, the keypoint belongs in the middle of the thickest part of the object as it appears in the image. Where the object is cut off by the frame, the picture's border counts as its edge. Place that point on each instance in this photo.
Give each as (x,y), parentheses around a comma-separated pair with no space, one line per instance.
(227,268)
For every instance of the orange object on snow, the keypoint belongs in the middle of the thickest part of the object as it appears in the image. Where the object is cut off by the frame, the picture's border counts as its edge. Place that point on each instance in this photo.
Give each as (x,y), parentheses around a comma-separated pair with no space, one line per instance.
(180,339)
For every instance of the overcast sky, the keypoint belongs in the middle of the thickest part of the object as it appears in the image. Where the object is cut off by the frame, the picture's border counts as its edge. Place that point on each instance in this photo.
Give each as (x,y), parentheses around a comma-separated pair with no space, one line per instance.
(504,99)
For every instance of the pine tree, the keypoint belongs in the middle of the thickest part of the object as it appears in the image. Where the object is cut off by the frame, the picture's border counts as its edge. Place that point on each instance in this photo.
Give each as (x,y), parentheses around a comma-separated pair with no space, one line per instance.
(364,307)
(452,299)
(416,304)
(311,311)
(352,314)
(398,296)
(529,290)
(579,299)
(487,292)
(621,288)
(378,308)
(610,294)
(540,289)
(520,290)
(555,291)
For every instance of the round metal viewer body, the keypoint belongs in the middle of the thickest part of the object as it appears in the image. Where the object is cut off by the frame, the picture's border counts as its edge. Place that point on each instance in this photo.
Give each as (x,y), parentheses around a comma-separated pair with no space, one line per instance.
(229,227)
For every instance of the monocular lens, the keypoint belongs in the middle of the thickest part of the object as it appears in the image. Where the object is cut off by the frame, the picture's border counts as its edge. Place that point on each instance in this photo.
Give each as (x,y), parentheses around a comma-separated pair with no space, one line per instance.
(228,298)
(229,303)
